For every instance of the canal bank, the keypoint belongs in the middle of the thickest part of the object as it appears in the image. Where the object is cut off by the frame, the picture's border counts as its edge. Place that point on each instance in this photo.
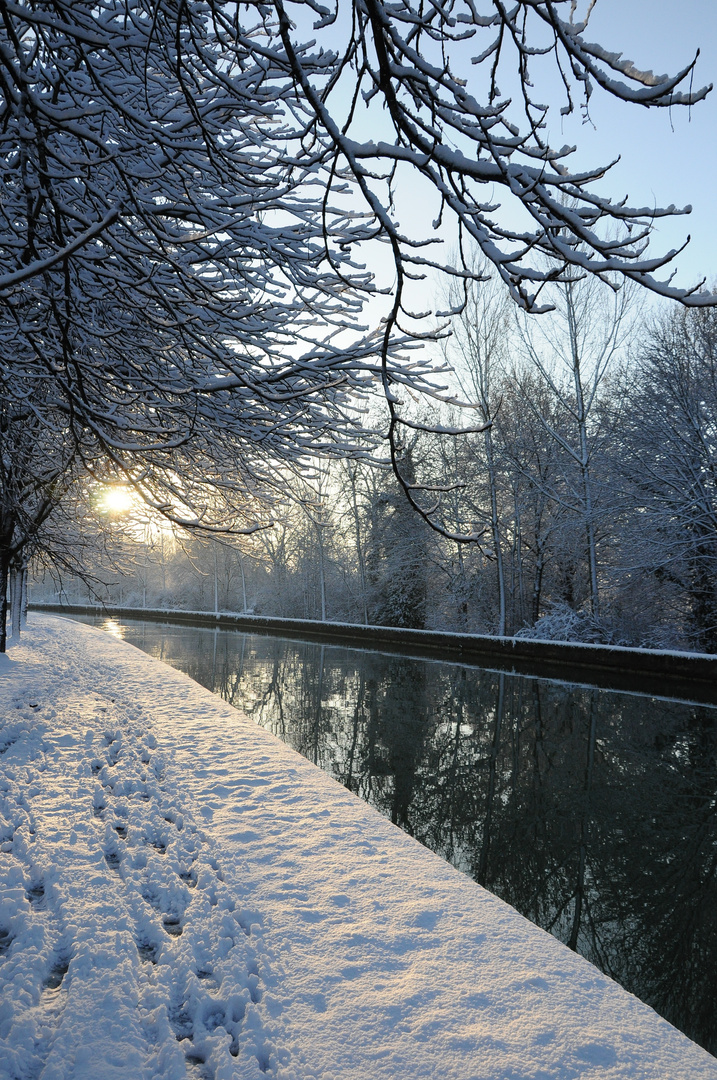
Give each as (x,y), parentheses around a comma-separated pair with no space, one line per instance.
(691,676)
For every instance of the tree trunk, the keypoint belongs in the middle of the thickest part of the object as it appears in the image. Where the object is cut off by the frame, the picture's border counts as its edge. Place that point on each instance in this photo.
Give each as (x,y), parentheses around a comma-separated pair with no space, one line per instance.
(702,591)
(243,582)
(24,598)
(322,573)
(495,531)
(584,455)
(538,583)
(4,569)
(15,601)
(359,548)
(519,615)
(589,526)
(164,569)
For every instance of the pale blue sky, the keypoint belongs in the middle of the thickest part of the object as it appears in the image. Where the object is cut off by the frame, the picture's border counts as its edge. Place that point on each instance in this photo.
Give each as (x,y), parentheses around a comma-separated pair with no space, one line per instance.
(666,157)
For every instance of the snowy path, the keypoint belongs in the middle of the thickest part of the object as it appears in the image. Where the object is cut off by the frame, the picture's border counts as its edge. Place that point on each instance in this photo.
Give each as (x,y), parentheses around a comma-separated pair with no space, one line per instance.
(182,895)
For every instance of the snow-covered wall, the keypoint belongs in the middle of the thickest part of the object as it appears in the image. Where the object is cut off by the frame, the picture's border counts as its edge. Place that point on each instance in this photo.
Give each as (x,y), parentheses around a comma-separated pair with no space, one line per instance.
(652,671)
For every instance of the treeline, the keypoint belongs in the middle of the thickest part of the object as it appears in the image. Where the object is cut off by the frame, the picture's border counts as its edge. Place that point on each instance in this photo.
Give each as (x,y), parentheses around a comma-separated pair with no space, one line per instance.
(592,489)
(205,281)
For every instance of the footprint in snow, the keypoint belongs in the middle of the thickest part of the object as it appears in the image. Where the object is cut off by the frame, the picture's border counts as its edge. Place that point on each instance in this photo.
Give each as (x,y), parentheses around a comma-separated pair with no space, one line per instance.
(148,951)
(159,846)
(113,751)
(112,859)
(6,940)
(172,924)
(254,989)
(36,896)
(197,1066)
(55,977)
(182,1023)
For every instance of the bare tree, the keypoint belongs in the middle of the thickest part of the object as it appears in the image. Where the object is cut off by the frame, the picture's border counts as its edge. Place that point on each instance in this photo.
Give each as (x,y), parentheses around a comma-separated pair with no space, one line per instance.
(534,470)
(572,350)
(668,446)
(479,349)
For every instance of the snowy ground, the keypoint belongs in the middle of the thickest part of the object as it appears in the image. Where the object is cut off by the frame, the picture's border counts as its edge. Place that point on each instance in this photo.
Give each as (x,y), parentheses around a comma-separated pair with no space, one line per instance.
(182,895)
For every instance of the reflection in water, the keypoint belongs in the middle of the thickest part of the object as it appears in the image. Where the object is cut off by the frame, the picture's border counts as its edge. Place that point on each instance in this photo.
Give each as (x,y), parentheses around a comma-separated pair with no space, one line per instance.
(591,812)
(114,627)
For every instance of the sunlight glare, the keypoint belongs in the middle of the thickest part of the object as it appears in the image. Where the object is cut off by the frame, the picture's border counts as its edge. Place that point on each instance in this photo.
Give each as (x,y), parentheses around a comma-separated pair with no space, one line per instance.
(117,500)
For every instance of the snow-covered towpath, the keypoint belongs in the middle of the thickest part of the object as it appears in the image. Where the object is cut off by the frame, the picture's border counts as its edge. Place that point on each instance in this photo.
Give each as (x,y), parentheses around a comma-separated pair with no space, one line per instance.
(182,895)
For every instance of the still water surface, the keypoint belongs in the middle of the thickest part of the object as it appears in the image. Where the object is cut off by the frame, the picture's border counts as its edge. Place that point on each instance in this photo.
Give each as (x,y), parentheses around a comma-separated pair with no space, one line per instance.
(593,812)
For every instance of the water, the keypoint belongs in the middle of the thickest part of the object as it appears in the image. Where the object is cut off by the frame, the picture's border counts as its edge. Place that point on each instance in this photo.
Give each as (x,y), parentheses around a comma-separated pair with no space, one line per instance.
(592,812)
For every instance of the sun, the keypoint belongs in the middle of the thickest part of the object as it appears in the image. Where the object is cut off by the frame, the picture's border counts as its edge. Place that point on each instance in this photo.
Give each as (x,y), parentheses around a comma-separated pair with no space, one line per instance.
(117,500)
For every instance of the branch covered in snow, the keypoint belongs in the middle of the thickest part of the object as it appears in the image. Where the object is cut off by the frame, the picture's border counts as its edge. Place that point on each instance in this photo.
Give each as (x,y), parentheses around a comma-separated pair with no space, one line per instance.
(188,192)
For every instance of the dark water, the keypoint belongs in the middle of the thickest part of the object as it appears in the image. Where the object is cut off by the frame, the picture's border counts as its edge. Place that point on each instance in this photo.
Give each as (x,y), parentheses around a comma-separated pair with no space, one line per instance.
(593,812)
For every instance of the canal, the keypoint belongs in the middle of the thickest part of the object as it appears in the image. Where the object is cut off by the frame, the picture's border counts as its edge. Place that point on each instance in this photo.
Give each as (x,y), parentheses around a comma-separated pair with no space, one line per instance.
(593,812)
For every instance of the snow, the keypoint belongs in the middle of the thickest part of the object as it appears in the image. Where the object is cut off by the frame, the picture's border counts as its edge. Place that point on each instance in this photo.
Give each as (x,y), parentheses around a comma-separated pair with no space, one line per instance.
(184,896)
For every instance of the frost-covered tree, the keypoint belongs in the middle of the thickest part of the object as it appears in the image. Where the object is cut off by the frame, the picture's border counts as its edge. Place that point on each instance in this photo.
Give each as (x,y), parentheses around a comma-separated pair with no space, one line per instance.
(165,273)
(668,444)
(189,189)
(481,158)
(535,471)
(38,467)
(397,557)
(572,350)
(479,348)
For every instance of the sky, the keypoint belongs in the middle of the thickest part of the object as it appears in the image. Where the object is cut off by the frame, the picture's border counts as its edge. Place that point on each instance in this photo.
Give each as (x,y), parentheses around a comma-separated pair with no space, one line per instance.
(666,156)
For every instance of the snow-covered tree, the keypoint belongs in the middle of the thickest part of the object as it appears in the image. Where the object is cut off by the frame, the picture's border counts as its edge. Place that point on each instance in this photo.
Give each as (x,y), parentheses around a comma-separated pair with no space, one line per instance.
(38,467)
(571,350)
(165,270)
(480,158)
(189,190)
(397,557)
(478,347)
(668,450)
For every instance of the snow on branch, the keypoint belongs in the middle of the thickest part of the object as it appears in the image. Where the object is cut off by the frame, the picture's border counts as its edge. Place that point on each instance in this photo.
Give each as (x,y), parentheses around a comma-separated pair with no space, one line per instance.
(188,191)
